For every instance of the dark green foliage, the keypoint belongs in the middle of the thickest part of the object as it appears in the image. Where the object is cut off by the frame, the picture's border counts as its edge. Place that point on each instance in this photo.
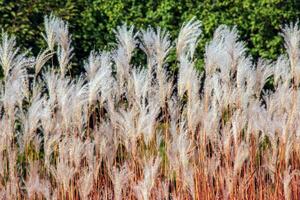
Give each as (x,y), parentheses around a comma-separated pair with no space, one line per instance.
(92,21)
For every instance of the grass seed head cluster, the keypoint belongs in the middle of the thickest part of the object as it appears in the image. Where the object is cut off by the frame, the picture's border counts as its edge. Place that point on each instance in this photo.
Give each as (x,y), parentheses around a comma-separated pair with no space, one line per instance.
(121,131)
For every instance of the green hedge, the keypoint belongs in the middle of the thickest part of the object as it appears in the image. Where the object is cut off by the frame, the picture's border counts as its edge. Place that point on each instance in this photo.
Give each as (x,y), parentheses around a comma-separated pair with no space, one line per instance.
(92,21)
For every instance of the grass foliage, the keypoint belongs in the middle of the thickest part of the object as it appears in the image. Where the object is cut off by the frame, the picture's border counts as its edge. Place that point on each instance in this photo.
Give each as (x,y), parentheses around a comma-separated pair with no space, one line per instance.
(121,131)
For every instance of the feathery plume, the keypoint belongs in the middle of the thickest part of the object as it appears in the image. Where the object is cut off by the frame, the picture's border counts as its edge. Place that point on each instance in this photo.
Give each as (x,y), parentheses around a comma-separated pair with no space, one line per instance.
(188,38)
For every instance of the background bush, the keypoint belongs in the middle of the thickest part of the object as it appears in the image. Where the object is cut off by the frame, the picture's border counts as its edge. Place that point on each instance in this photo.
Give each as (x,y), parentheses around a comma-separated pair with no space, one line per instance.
(92,21)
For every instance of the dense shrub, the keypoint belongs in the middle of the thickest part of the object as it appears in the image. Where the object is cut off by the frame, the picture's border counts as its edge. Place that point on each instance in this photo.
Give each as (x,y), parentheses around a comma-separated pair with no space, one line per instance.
(92,21)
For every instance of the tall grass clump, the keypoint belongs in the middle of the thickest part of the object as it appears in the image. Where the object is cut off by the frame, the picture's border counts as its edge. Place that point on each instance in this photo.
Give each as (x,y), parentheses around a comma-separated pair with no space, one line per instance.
(122,130)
